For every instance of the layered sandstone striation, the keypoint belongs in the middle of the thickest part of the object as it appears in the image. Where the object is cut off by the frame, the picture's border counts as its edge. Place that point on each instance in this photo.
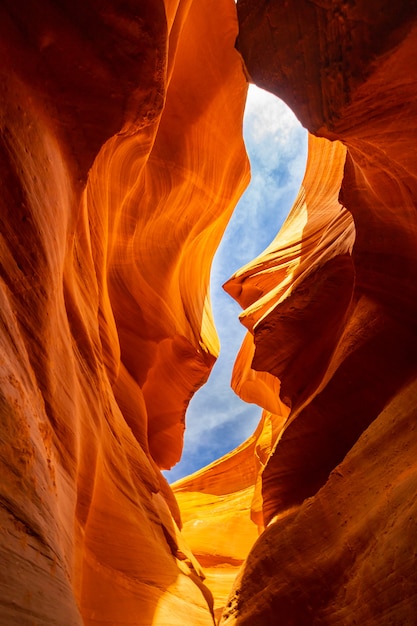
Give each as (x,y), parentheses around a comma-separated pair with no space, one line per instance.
(331,308)
(121,161)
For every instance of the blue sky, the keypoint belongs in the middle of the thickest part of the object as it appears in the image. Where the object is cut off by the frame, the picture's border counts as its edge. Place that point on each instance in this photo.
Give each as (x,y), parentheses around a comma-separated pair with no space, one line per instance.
(217,420)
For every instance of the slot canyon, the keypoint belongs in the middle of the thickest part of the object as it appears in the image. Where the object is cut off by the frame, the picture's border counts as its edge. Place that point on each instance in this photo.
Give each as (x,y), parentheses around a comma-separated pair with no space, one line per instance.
(122,159)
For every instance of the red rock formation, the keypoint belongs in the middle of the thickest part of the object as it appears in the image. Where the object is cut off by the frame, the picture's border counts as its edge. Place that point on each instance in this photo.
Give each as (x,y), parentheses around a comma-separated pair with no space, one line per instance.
(121,161)
(338,487)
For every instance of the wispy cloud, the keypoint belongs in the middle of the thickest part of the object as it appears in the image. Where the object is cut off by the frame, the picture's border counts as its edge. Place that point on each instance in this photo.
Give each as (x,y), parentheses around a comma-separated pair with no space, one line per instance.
(217,420)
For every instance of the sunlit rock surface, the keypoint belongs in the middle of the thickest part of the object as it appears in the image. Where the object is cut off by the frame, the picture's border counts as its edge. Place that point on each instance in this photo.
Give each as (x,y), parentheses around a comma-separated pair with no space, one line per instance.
(215,505)
(331,307)
(121,161)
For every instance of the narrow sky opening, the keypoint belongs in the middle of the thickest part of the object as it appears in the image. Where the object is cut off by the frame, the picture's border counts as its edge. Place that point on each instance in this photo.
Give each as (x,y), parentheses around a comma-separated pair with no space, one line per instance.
(217,420)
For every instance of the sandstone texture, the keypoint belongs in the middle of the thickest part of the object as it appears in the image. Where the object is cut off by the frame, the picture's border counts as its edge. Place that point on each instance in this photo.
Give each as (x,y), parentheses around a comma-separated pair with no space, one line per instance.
(331,310)
(121,161)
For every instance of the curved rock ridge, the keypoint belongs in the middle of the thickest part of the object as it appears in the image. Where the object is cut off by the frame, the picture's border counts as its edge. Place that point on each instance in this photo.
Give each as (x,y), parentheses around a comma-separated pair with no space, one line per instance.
(296,295)
(121,160)
(339,340)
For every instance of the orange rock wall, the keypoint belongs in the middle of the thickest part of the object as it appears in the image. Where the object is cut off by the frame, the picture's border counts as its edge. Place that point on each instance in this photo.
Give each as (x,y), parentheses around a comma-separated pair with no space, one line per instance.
(331,306)
(121,161)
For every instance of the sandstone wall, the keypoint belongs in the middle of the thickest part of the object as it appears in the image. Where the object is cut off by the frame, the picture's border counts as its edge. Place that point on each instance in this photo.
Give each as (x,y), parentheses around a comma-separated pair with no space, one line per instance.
(121,161)
(331,306)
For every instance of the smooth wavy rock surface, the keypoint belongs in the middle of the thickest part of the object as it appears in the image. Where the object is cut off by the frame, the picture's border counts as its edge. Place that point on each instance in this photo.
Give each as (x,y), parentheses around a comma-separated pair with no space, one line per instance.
(121,161)
(331,308)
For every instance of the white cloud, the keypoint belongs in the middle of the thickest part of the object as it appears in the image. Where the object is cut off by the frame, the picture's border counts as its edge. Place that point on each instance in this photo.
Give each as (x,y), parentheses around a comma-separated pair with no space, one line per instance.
(268,119)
